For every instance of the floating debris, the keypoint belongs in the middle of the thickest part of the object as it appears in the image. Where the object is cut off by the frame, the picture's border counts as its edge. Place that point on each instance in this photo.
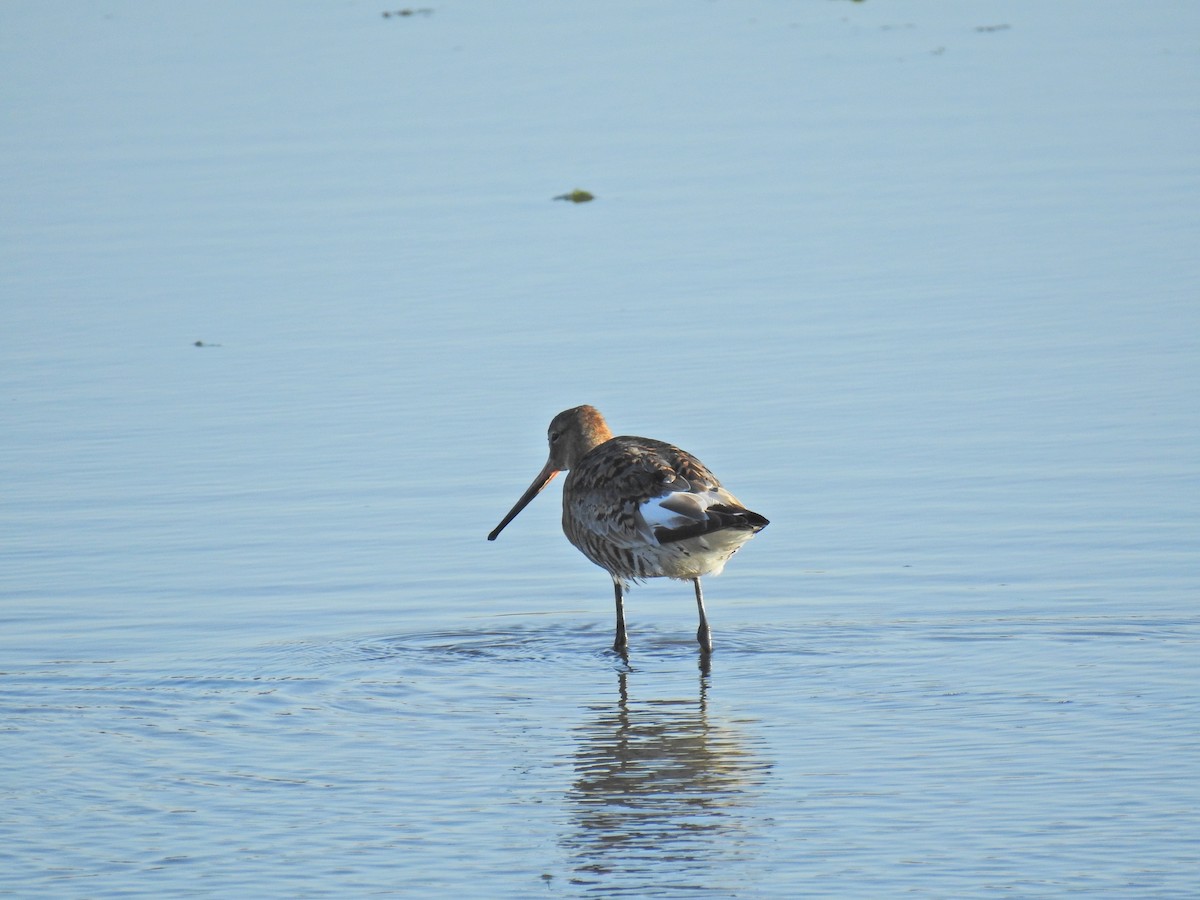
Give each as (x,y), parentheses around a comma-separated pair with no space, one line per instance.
(577,196)
(401,13)
(992,27)
(204,344)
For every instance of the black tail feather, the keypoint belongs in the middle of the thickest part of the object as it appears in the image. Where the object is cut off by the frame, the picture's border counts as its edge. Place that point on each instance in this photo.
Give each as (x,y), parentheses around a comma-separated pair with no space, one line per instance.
(719,518)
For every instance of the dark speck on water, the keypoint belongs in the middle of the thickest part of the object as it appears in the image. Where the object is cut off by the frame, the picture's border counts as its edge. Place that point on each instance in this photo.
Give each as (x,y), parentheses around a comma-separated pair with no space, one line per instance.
(402,13)
(577,196)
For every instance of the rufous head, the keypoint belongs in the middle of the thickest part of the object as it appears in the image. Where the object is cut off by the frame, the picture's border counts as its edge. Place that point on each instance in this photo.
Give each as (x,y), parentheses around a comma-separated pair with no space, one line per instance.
(573,433)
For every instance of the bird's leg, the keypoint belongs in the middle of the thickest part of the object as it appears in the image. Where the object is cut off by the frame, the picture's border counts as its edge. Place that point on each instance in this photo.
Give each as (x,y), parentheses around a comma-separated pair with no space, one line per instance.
(620,643)
(703,633)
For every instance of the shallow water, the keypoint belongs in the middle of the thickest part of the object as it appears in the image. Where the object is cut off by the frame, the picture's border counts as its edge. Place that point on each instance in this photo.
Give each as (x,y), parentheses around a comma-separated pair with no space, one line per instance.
(918,283)
(953,755)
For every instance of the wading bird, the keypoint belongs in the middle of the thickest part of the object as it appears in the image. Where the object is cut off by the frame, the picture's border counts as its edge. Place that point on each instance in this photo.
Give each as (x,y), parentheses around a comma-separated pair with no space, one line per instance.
(640,508)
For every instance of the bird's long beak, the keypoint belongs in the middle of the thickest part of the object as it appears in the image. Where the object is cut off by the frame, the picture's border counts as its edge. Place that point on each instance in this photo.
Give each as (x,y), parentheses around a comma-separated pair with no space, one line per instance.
(544,477)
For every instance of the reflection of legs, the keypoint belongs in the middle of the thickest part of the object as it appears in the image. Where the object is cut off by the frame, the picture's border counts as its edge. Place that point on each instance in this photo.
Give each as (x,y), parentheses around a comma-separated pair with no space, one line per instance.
(620,644)
(703,633)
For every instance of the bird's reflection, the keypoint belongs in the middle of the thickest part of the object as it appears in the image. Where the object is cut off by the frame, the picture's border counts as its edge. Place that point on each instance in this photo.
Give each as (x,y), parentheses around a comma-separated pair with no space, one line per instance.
(661,791)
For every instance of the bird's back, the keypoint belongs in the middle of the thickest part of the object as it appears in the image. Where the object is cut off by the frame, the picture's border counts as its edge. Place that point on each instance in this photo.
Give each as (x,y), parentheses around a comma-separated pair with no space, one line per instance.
(642,508)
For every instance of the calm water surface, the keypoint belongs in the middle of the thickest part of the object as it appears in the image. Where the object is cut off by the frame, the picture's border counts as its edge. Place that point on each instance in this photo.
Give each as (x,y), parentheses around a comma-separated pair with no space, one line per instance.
(918,282)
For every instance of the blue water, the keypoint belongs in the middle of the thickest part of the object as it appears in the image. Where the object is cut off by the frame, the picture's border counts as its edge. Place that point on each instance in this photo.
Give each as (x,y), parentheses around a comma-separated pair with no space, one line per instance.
(917,281)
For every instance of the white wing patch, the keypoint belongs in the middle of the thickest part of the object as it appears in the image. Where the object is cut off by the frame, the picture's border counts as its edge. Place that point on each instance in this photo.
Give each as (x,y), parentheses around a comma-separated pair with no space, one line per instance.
(677,509)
